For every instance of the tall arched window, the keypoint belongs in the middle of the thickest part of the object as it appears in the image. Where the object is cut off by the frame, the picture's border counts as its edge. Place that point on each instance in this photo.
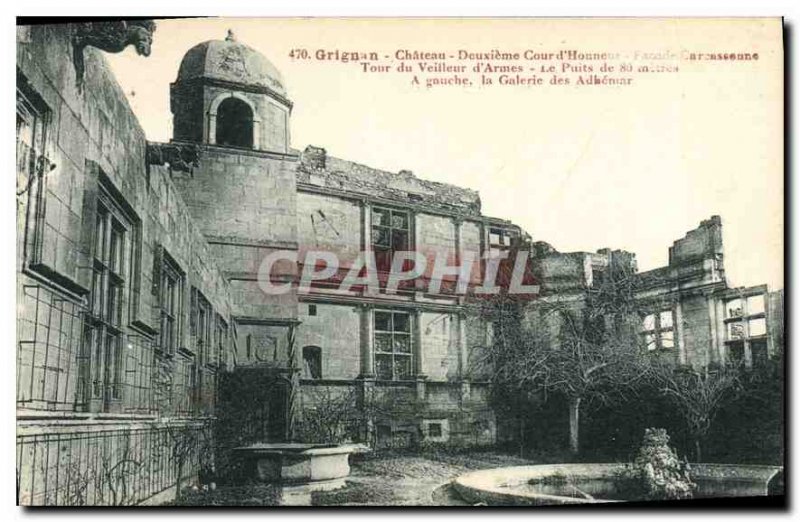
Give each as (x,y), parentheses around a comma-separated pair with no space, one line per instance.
(234,123)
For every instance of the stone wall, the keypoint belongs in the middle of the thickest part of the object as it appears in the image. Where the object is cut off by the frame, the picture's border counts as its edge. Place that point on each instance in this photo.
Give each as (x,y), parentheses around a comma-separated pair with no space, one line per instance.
(93,140)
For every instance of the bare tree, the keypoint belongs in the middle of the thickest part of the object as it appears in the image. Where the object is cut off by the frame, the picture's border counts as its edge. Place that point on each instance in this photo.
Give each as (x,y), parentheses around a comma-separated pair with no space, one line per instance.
(335,416)
(189,442)
(697,394)
(585,347)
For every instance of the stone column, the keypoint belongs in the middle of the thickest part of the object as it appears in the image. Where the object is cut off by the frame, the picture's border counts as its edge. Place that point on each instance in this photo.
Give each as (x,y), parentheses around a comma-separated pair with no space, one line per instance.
(257,133)
(365,244)
(457,239)
(748,352)
(712,328)
(463,357)
(365,341)
(679,339)
(418,355)
(721,333)
(211,127)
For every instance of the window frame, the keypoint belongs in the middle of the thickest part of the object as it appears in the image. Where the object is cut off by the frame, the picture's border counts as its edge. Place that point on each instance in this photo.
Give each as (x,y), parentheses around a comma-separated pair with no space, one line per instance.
(389,249)
(393,354)
(221,340)
(657,331)
(505,241)
(744,318)
(111,261)
(203,328)
(170,276)
(30,197)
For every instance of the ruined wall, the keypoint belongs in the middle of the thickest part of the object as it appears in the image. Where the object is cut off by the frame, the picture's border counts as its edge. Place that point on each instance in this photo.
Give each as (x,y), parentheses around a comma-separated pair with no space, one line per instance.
(321,170)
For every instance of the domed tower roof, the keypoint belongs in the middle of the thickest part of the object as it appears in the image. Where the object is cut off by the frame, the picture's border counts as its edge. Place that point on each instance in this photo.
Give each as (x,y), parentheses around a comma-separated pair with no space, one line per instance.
(231,61)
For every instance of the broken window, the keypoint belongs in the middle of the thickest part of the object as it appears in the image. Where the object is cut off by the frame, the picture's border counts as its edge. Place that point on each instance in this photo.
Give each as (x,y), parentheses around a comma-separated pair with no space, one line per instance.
(658,331)
(393,354)
(390,233)
(312,362)
(758,348)
(234,124)
(746,328)
(500,239)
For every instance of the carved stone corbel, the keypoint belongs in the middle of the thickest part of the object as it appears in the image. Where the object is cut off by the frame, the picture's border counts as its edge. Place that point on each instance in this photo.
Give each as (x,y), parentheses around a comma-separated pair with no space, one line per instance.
(182,157)
(109,36)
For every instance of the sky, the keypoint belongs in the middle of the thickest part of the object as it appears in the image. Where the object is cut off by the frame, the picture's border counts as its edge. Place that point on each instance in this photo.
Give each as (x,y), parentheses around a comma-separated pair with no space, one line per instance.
(629,167)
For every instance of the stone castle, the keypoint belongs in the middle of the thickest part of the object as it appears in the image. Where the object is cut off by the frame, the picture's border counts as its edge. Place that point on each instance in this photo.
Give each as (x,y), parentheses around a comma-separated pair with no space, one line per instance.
(140,317)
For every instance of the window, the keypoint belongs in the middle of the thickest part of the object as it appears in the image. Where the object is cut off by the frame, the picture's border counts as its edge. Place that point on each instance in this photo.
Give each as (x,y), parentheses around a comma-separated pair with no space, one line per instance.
(312,309)
(202,325)
(500,239)
(393,355)
(758,347)
(390,234)
(170,303)
(30,142)
(103,335)
(437,430)
(234,123)
(312,362)
(746,328)
(658,331)
(33,119)
(222,339)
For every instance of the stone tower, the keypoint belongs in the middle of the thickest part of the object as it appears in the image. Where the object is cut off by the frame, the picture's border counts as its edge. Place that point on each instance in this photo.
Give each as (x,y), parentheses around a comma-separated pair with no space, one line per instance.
(229,94)
(230,102)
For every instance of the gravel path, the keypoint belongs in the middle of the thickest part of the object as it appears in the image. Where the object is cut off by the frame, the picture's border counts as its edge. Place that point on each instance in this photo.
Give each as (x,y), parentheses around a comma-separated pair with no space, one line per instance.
(375,480)
(414,480)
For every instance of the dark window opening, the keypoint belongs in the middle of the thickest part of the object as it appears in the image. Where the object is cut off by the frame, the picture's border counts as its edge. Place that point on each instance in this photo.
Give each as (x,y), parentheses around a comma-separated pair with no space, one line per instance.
(736,352)
(758,349)
(391,231)
(312,362)
(312,309)
(434,430)
(234,124)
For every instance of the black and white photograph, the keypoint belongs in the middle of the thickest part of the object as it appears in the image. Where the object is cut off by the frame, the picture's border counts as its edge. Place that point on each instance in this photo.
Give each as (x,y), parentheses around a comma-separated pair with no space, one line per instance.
(453,262)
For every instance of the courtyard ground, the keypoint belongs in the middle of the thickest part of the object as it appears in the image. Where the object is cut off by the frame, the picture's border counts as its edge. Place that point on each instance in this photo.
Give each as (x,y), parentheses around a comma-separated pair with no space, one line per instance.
(385,479)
